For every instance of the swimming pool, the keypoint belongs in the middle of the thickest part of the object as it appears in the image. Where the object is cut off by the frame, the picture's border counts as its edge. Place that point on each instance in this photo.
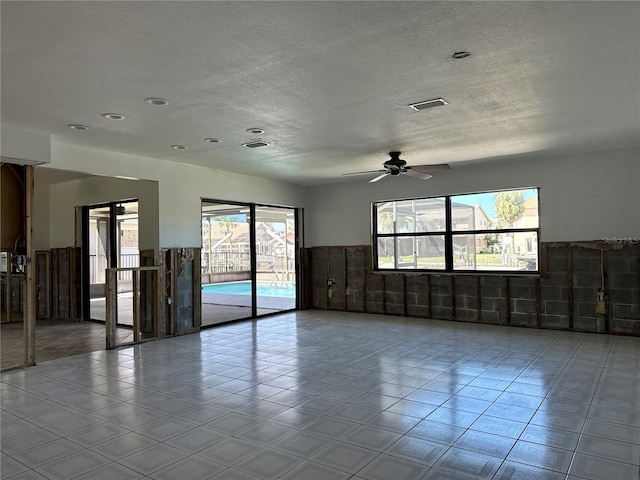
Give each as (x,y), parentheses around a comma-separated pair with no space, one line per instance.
(244,288)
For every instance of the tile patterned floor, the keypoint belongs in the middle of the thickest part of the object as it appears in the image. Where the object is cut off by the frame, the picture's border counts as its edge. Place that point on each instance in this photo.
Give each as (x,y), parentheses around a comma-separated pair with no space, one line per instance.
(325,395)
(54,339)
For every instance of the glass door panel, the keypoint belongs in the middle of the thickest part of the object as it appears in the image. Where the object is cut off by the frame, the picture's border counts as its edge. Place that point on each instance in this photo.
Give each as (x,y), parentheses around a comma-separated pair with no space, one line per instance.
(99,259)
(112,243)
(127,256)
(226,263)
(275,247)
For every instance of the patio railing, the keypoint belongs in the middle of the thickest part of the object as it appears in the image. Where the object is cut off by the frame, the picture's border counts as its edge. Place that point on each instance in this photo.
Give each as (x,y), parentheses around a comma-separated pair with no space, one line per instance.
(98,264)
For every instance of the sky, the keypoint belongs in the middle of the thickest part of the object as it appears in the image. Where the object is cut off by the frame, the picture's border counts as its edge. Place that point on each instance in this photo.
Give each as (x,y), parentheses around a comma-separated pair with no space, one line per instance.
(487,200)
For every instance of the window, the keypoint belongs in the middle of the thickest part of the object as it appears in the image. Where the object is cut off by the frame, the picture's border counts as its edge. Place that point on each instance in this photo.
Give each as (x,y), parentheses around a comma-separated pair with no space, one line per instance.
(477,232)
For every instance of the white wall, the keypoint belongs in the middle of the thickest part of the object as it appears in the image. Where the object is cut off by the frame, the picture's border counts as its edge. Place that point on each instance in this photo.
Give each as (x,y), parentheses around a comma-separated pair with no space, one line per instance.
(582,197)
(64,197)
(180,189)
(41,231)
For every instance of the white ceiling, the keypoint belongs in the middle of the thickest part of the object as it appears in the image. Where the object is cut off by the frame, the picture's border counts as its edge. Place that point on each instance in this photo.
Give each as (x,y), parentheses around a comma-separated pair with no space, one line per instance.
(329,82)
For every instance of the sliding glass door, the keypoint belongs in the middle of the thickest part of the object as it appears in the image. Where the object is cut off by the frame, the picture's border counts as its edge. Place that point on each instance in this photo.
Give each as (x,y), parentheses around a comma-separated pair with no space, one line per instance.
(275,242)
(110,240)
(226,263)
(248,261)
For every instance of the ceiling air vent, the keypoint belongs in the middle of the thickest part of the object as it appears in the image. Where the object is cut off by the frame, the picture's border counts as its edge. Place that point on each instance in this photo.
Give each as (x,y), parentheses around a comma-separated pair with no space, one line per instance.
(256,144)
(436,102)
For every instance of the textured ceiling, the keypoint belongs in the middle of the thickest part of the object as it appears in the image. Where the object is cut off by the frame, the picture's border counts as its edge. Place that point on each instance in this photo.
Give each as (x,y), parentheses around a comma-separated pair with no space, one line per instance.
(329,82)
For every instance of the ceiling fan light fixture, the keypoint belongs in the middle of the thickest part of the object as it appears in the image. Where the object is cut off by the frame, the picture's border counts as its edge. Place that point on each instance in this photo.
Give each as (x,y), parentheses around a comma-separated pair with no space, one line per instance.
(425,104)
(396,166)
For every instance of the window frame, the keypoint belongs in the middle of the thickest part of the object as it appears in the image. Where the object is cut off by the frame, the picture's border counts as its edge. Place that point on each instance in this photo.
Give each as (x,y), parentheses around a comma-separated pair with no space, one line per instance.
(449,233)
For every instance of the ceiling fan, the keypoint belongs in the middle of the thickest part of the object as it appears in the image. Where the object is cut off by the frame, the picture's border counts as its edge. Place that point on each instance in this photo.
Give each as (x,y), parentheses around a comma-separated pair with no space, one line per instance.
(396,166)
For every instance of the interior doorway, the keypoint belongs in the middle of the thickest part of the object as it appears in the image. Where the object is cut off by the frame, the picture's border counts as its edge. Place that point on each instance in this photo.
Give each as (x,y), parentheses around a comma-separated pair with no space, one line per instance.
(110,240)
(12,283)
(249,261)
(16,273)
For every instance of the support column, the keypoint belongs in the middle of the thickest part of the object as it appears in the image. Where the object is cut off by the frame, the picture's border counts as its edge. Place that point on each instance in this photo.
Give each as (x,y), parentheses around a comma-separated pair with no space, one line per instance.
(29,277)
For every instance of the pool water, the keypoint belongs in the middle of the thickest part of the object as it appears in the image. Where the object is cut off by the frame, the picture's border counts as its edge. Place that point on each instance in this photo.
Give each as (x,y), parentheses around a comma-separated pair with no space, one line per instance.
(244,288)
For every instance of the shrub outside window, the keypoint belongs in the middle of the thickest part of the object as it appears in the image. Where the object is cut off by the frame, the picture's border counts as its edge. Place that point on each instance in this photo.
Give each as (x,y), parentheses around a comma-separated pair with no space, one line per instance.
(493,232)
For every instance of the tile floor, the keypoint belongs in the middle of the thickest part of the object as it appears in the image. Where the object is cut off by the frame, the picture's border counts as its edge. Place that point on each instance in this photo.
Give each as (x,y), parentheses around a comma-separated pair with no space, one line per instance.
(54,339)
(324,395)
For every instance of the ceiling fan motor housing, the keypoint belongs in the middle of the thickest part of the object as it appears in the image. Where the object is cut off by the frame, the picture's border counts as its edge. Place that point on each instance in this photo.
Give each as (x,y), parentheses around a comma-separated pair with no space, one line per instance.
(395,163)
(396,166)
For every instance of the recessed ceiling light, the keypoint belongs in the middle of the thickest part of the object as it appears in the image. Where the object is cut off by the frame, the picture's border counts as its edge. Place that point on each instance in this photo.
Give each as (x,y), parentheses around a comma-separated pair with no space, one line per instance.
(179,147)
(256,130)
(113,116)
(436,102)
(256,144)
(212,140)
(77,126)
(158,102)
(461,54)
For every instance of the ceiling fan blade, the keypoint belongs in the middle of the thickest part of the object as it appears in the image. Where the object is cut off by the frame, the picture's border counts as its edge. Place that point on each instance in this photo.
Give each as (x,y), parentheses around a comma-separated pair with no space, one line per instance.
(364,173)
(420,175)
(431,168)
(379,177)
